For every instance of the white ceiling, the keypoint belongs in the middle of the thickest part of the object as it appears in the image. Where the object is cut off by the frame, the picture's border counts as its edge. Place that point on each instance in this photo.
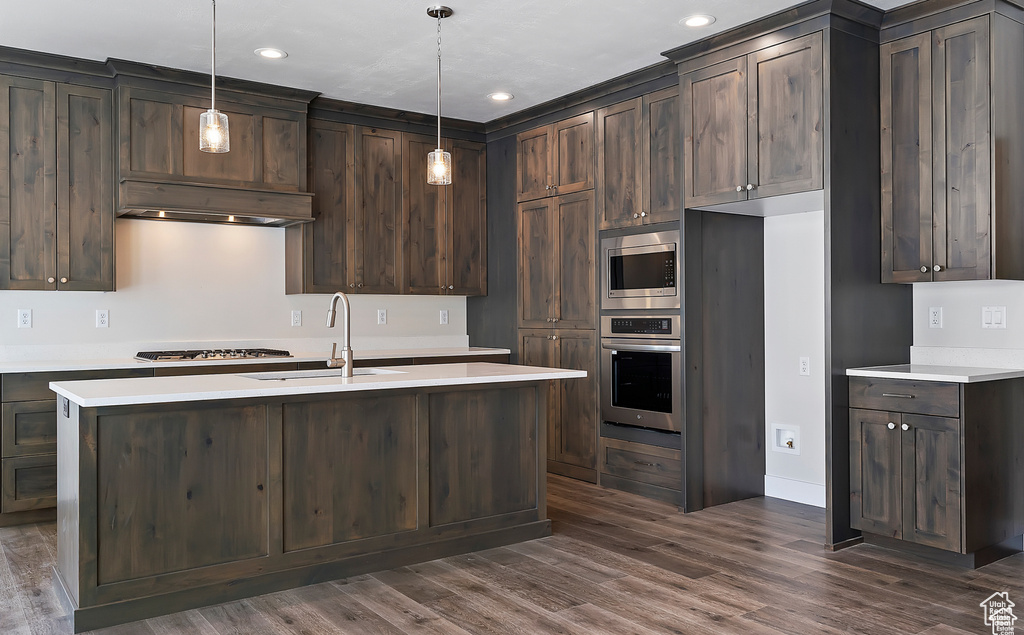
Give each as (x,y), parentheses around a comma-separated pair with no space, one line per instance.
(383,52)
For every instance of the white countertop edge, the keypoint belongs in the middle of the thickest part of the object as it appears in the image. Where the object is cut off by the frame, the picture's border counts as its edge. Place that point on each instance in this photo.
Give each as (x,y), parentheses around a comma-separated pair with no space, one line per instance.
(156,390)
(923,372)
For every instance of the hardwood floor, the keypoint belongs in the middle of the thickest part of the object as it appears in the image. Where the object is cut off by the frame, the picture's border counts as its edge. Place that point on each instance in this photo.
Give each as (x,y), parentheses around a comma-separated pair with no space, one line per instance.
(616,563)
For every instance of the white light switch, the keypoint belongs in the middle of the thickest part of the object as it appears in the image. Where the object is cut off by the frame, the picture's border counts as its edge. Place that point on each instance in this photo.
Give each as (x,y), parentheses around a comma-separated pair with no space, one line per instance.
(993,317)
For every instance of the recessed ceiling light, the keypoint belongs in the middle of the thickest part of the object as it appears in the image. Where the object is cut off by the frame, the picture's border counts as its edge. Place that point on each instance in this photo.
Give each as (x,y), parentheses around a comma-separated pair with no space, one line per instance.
(271,54)
(698,20)
(501,96)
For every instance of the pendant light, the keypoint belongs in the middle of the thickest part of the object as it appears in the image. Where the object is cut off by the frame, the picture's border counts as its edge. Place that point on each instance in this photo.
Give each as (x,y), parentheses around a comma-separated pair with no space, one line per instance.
(439,162)
(213,125)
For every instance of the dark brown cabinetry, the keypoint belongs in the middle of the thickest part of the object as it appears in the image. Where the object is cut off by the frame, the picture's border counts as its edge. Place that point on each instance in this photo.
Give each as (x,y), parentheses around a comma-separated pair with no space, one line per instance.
(556,159)
(56,203)
(947,99)
(377,229)
(753,125)
(924,457)
(638,161)
(572,403)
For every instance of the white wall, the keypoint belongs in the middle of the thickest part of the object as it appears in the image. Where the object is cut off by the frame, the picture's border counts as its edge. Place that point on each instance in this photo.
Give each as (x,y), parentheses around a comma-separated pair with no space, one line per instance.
(182,283)
(794,291)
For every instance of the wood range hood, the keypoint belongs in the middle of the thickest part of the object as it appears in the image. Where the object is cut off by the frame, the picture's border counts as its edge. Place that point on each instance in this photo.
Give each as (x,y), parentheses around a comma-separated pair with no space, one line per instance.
(163,175)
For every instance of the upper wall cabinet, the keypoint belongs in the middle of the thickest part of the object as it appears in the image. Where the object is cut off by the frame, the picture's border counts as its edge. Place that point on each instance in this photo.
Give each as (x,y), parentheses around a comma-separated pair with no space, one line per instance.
(377,228)
(638,161)
(556,159)
(950,114)
(753,126)
(56,181)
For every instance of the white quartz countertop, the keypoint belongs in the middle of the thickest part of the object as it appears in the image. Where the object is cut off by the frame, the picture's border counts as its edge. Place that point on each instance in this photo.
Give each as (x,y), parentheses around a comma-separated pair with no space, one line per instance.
(305,356)
(151,390)
(922,372)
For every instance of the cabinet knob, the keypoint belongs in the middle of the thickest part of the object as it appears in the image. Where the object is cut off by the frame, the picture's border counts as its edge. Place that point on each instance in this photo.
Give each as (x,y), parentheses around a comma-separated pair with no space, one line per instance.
(548,187)
(360,285)
(904,427)
(554,337)
(739,188)
(50,279)
(891,426)
(636,215)
(643,214)
(924,269)
(352,284)
(937,268)
(451,286)
(63,280)
(554,319)
(750,186)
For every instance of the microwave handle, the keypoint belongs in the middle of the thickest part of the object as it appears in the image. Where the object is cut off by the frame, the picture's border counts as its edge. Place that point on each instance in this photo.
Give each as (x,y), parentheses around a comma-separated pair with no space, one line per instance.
(619,345)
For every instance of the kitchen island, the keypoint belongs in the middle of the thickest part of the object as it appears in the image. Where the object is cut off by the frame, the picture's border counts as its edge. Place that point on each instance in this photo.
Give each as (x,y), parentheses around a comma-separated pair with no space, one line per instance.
(179,492)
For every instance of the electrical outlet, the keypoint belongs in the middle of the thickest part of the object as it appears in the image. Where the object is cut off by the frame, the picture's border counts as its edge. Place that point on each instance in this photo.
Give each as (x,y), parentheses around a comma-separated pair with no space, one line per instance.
(102,318)
(382,316)
(444,316)
(24,318)
(296,318)
(805,365)
(993,317)
(935,317)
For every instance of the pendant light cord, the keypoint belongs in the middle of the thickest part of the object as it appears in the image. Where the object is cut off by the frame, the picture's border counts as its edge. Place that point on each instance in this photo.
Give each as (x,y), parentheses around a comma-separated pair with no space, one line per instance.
(213,60)
(439,15)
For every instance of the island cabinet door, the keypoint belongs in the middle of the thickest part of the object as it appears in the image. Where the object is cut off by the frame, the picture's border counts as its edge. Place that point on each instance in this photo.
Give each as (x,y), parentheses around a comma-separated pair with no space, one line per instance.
(538,347)
(349,469)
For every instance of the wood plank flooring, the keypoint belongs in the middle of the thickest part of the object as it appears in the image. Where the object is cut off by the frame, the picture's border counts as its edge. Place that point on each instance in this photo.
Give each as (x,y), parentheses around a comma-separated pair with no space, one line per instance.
(617,563)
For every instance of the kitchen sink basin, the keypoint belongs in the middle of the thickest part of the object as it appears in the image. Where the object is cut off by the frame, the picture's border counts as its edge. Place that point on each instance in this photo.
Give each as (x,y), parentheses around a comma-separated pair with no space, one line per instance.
(316,374)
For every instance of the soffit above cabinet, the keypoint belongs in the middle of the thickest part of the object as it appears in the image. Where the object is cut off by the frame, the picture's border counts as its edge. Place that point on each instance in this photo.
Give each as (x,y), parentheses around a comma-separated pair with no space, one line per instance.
(383,53)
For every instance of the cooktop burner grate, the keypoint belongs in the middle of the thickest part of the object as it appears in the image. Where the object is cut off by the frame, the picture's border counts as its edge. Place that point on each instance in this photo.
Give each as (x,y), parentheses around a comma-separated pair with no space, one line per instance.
(210,353)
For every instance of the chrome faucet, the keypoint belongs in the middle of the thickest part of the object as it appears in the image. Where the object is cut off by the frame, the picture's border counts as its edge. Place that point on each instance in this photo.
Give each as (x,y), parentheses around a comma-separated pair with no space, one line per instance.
(345,361)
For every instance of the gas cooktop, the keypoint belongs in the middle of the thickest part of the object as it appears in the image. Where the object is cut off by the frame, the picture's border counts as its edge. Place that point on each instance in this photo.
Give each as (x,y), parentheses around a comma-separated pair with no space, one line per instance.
(213,353)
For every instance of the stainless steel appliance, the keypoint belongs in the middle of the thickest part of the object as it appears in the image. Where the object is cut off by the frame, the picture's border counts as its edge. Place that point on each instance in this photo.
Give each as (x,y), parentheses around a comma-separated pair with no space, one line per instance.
(218,353)
(640,271)
(641,371)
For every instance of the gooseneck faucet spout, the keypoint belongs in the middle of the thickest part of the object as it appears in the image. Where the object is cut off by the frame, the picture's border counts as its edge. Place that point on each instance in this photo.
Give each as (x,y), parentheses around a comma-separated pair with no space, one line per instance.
(345,361)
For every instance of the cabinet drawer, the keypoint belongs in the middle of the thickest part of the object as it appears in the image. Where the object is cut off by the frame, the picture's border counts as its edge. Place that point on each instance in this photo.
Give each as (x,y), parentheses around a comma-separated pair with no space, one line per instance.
(36,386)
(29,482)
(644,463)
(941,399)
(28,427)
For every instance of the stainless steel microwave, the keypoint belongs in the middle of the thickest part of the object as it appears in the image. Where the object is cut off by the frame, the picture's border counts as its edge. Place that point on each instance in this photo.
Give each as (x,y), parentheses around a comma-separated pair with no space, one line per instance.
(640,271)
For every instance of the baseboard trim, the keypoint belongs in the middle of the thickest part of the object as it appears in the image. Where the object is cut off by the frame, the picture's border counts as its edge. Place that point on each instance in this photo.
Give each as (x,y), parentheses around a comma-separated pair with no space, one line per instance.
(796,491)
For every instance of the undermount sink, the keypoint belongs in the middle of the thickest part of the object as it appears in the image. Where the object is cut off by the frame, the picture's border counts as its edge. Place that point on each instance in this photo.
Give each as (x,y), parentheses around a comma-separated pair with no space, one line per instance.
(316,374)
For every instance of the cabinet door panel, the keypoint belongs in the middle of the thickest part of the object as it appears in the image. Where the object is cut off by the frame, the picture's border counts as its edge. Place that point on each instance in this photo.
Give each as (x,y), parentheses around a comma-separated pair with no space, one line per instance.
(574,160)
(28,482)
(715,133)
(931,481)
(662,171)
(423,210)
(962,183)
(619,166)
(85,180)
(28,427)
(537,253)
(576,291)
(537,348)
(378,236)
(237,166)
(787,138)
(534,170)
(875,473)
(466,220)
(906,159)
(577,420)
(28,189)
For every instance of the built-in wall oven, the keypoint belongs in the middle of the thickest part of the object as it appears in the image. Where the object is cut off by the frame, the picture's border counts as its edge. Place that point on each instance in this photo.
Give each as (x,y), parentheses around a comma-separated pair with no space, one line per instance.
(640,271)
(641,371)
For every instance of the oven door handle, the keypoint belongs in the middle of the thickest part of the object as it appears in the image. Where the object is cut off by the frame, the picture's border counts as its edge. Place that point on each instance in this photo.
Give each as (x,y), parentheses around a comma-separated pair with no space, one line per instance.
(624,345)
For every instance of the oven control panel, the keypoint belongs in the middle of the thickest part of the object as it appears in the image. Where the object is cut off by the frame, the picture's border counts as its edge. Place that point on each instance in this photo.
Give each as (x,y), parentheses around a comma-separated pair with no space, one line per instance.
(641,326)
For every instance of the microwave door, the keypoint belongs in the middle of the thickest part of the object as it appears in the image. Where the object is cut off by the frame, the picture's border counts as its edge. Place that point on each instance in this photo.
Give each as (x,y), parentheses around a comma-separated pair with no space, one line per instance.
(642,271)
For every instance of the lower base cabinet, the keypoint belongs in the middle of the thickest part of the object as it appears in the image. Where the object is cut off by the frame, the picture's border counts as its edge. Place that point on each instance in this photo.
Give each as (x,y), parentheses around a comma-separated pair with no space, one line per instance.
(639,468)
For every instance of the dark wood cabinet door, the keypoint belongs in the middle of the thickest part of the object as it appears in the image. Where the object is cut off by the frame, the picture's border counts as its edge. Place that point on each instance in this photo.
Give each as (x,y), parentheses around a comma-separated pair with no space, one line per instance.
(786,136)
(931,481)
(28,482)
(423,210)
(534,164)
(540,348)
(85,183)
(574,159)
(576,433)
(876,502)
(576,265)
(377,254)
(317,253)
(906,118)
(662,153)
(466,220)
(619,192)
(28,427)
(962,183)
(538,245)
(28,184)
(715,133)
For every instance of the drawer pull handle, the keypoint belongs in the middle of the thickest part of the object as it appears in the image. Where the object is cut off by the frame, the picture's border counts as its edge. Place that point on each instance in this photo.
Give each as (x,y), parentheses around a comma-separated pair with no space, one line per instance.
(896,394)
(644,463)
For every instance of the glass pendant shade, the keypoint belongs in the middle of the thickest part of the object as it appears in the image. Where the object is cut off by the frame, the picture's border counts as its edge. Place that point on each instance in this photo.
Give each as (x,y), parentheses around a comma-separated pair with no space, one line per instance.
(213,132)
(439,167)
